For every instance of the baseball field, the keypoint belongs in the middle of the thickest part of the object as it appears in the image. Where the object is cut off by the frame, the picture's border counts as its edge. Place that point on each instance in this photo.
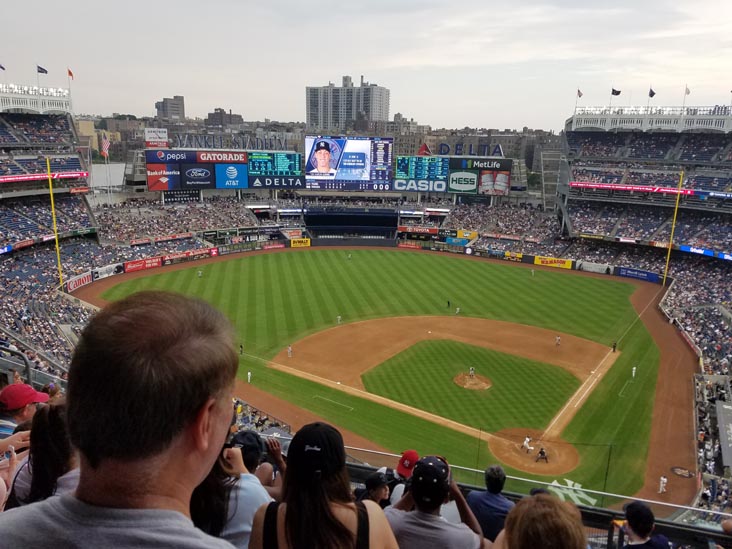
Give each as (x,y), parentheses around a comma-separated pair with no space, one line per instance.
(394,371)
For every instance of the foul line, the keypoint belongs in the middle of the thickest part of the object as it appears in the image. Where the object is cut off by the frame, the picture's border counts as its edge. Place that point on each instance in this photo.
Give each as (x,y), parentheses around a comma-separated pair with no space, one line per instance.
(350,409)
(596,374)
(620,394)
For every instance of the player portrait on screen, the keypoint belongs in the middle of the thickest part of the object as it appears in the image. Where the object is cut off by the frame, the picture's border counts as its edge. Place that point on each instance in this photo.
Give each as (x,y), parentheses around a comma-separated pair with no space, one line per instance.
(321,160)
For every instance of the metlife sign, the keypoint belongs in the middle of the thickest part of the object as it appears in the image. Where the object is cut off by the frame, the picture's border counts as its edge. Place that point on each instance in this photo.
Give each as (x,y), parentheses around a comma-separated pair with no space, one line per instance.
(468,163)
(463,182)
(232,176)
(420,185)
(269,182)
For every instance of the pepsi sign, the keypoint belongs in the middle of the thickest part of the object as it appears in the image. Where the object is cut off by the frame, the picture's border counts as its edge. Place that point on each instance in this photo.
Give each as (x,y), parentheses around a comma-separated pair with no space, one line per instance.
(197,176)
(169,156)
(232,176)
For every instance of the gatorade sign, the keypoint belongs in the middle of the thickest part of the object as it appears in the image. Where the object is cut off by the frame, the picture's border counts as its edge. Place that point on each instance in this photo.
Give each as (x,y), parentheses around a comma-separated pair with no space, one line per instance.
(464,182)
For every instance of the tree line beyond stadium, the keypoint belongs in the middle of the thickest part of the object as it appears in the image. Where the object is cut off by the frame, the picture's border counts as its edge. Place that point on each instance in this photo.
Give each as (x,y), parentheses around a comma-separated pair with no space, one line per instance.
(338,164)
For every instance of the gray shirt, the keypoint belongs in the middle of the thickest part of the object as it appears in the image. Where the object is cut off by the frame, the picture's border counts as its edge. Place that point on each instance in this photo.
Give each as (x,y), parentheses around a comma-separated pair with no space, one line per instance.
(418,530)
(68,523)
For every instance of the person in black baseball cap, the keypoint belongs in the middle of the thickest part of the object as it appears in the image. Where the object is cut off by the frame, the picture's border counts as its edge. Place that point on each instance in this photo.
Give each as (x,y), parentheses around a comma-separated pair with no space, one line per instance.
(639,525)
(377,489)
(317,508)
(321,159)
(415,519)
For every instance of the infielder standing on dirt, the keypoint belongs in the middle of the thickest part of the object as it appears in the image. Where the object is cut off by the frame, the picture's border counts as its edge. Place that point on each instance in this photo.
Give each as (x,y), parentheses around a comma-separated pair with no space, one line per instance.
(558,341)
(289,351)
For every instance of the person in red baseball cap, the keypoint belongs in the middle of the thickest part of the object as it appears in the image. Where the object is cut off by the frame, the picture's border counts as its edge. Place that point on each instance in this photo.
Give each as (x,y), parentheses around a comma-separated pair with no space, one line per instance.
(399,476)
(18,404)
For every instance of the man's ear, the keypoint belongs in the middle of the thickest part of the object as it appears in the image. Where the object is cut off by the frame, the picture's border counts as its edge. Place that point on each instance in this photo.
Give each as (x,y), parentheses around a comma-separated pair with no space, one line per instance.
(203,425)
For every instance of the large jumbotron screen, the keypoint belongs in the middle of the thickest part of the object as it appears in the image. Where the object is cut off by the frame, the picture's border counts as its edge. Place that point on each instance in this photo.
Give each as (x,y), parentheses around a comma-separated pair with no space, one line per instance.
(348,163)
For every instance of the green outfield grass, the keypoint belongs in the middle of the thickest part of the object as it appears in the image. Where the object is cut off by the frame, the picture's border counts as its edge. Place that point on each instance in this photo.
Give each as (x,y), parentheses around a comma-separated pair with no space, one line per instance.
(276,299)
(524,393)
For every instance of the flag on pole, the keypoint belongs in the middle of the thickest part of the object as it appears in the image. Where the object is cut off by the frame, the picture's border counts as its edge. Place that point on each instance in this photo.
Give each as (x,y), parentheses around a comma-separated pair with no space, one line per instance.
(687,91)
(615,92)
(105,146)
(2,68)
(41,70)
(651,93)
(579,93)
(71,74)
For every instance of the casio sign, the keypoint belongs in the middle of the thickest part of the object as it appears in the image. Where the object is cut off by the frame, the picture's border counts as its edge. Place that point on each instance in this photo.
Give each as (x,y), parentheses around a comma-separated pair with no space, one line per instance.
(198,173)
(463,181)
(421,185)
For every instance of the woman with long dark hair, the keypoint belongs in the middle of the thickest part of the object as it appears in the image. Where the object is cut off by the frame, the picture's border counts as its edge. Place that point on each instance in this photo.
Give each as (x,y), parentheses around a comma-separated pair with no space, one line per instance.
(317,510)
(52,467)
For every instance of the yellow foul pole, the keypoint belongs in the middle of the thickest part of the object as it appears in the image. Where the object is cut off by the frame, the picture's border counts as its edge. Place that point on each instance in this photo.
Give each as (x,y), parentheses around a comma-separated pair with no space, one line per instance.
(673,226)
(55,228)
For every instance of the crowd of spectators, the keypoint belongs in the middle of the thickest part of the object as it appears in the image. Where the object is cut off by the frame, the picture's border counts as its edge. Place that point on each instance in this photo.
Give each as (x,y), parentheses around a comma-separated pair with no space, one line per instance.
(140,218)
(37,129)
(32,218)
(595,144)
(513,220)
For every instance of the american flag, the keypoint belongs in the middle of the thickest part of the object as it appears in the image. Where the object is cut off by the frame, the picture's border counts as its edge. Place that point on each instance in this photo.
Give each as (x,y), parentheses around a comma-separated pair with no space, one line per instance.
(105,146)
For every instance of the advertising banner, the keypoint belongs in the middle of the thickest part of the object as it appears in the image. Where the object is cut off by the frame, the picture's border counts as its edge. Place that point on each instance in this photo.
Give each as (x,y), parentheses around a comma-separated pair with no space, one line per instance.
(590,267)
(420,185)
(628,272)
(470,235)
(281,182)
(79,190)
(444,233)
(156,134)
(493,182)
(553,262)
(300,243)
(414,246)
(221,157)
(456,241)
(188,255)
(78,281)
(635,188)
(513,256)
(108,270)
(463,182)
(231,176)
(415,229)
(273,245)
(142,264)
(163,177)
(169,156)
(6,249)
(197,176)
(696,250)
(292,233)
(41,176)
(140,241)
(480,163)
(725,256)
(177,236)
(23,244)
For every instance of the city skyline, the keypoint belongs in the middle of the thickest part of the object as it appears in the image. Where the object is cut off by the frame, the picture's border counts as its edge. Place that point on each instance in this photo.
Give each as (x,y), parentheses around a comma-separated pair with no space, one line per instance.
(484,65)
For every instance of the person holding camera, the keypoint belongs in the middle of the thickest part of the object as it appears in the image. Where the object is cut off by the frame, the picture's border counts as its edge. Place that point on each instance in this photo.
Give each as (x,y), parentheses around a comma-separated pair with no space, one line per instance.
(415,519)
(223,505)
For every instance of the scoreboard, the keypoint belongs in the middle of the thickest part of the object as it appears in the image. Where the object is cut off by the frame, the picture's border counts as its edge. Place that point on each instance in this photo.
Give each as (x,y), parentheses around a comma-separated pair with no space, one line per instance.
(274,164)
(348,163)
(431,168)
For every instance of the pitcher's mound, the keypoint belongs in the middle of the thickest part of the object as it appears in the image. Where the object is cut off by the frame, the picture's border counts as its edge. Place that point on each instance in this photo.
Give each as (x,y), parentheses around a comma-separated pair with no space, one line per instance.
(475,383)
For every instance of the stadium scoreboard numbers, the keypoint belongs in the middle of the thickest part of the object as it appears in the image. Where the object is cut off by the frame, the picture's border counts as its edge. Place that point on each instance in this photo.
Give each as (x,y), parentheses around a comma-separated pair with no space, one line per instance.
(274,164)
(432,168)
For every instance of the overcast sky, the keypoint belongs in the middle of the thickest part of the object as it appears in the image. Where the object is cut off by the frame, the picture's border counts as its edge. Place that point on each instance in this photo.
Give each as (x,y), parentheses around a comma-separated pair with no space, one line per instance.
(478,63)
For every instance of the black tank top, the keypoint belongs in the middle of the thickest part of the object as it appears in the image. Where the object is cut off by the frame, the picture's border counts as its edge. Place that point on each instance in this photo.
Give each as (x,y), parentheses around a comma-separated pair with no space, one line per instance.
(269,539)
